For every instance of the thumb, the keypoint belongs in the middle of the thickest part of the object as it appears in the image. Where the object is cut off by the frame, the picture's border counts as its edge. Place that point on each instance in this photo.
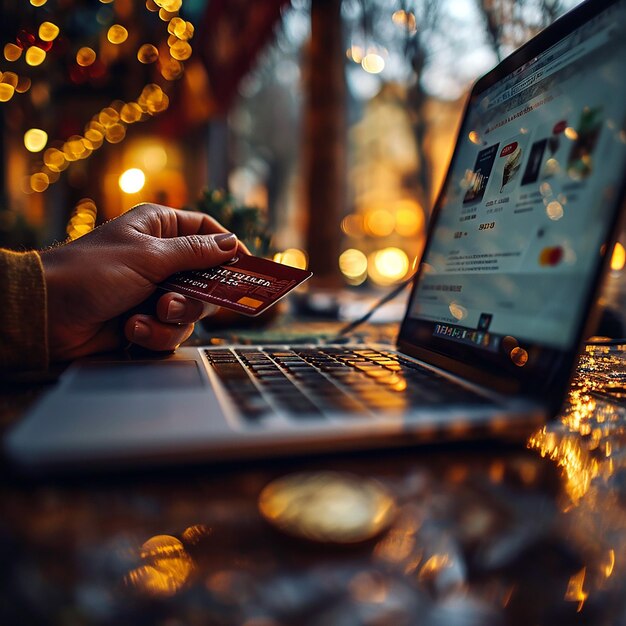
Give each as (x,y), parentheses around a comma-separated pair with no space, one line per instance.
(195,252)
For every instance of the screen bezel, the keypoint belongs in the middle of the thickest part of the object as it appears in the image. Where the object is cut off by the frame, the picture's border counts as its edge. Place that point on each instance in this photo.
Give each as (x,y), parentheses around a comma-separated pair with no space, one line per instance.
(547,382)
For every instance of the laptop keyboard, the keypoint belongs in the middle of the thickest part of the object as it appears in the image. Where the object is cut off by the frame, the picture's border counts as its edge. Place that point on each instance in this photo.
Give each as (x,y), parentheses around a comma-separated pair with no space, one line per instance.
(310,383)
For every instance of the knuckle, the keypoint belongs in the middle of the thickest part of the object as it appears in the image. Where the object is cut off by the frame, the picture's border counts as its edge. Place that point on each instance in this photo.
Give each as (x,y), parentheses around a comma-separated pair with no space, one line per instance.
(199,245)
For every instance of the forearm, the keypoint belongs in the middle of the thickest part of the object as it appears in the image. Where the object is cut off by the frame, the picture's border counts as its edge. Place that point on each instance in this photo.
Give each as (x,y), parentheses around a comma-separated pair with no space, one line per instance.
(23,324)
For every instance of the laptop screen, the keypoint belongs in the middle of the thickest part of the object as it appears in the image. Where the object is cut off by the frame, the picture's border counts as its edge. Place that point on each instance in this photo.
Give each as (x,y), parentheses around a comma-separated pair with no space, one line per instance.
(529,201)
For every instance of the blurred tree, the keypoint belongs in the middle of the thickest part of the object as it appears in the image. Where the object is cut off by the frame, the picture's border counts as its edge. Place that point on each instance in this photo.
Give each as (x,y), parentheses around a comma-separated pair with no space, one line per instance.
(510,23)
(324,147)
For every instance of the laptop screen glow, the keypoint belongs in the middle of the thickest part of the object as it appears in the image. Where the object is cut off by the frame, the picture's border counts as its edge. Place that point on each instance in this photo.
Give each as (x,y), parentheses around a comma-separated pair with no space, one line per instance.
(533,185)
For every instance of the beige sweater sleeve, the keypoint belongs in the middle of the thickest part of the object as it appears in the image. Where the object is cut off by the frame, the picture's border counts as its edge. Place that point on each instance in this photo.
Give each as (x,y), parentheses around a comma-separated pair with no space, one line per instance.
(23,319)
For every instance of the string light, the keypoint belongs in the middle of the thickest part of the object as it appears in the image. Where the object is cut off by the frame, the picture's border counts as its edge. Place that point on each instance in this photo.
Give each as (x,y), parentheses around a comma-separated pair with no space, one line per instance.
(109,124)
(35,56)
(48,31)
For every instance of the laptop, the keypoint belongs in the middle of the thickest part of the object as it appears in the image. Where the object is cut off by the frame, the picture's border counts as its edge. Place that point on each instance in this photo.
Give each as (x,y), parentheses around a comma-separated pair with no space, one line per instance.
(519,239)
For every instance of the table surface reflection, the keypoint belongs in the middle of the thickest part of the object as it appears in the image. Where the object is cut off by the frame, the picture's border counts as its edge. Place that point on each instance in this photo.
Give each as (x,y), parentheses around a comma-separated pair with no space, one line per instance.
(484,535)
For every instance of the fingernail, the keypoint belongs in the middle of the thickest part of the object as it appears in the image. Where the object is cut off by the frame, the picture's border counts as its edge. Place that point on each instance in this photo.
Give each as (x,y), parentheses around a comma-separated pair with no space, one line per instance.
(175,311)
(141,330)
(225,241)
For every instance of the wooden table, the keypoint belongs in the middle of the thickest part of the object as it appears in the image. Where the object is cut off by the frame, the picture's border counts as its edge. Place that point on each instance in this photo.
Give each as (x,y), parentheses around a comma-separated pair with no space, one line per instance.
(485,535)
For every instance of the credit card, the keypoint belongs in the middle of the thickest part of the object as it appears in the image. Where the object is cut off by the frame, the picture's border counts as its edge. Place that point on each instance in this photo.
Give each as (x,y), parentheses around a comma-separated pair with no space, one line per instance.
(248,284)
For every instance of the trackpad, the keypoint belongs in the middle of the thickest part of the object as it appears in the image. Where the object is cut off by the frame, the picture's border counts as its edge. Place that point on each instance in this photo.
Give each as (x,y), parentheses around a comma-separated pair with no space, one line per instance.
(136,376)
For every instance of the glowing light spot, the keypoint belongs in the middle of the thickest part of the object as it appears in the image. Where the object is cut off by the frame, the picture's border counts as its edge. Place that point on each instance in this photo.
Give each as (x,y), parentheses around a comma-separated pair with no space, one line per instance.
(571,133)
(10,78)
(117,34)
(171,6)
(189,31)
(153,99)
(292,257)
(474,137)
(457,311)
(85,56)
(373,63)
(131,113)
(545,190)
(352,225)
(176,23)
(380,222)
(39,182)
(38,3)
(12,52)
(409,218)
(166,16)
(48,31)
(147,53)
(554,210)
(552,166)
(6,92)
(151,5)
(95,137)
(35,139)
(115,133)
(388,265)
(172,70)
(132,180)
(165,569)
(54,160)
(575,591)
(618,258)
(353,264)
(355,53)
(35,56)
(181,51)
(108,116)
(406,20)
(610,563)
(519,356)
(23,84)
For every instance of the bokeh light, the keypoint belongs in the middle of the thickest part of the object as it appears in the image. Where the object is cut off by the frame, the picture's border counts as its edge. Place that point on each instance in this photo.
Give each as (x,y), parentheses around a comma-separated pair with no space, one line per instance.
(373,63)
(85,56)
(39,182)
(571,133)
(6,92)
(48,31)
(353,265)
(35,56)
(117,34)
(388,265)
(180,50)
(132,180)
(10,78)
(618,259)
(380,222)
(147,53)
(23,84)
(12,52)
(409,218)
(406,20)
(554,210)
(292,257)
(35,139)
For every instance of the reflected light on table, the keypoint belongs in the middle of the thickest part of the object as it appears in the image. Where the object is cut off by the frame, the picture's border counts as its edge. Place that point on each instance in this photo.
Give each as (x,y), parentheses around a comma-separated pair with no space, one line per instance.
(165,569)
(575,591)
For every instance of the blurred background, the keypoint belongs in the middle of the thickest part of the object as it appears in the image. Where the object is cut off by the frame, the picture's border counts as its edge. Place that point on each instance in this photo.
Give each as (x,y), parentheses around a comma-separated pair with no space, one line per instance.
(334,118)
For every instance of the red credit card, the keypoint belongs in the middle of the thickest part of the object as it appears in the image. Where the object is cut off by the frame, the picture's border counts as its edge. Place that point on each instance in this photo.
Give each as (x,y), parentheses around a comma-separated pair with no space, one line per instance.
(248,284)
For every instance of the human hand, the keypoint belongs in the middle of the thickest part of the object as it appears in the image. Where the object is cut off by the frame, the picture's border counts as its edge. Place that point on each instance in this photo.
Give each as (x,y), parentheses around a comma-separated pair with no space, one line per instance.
(96,279)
